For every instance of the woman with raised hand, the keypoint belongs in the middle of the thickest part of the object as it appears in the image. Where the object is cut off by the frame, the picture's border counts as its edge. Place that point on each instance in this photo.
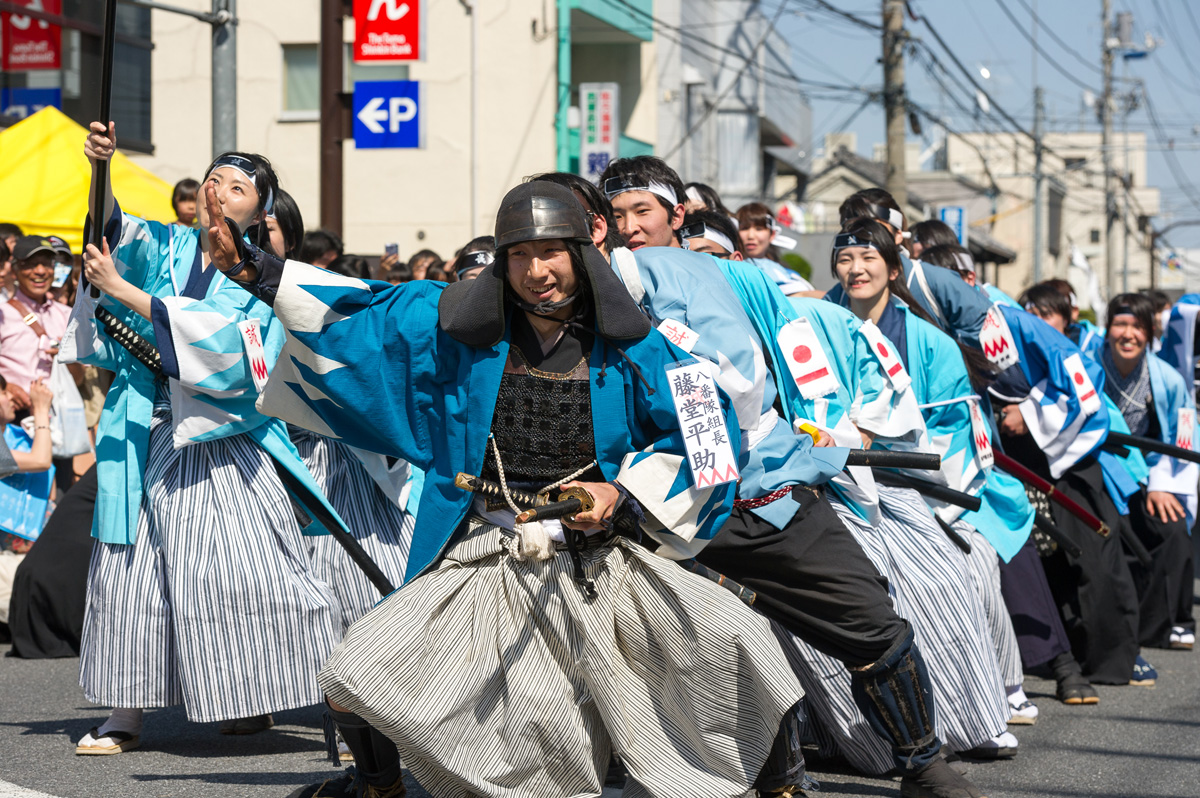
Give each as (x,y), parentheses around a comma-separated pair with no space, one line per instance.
(199,590)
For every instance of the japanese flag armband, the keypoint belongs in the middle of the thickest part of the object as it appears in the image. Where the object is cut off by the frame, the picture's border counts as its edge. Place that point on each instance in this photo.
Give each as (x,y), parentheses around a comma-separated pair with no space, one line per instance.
(806,360)
(1081,383)
(887,355)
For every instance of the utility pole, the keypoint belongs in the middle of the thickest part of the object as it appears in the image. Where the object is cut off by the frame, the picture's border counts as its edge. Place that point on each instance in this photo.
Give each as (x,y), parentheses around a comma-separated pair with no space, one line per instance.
(223,20)
(336,122)
(1110,200)
(224,76)
(1039,115)
(894,103)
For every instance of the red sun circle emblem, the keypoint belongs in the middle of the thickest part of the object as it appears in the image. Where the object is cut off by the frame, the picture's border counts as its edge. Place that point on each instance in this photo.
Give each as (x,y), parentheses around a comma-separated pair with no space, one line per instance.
(883,350)
(802,354)
(1078,378)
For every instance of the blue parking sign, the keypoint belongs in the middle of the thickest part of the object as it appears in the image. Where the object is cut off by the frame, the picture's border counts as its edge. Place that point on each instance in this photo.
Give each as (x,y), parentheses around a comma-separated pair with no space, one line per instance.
(387,114)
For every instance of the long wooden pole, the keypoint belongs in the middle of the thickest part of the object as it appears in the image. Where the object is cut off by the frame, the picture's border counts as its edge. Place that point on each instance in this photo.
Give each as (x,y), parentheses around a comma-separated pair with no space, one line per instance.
(106,80)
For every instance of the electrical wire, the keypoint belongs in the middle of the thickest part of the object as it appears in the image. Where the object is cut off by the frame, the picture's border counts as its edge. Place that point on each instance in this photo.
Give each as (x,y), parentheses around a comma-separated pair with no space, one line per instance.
(1058,40)
(737,79)
(1049,59)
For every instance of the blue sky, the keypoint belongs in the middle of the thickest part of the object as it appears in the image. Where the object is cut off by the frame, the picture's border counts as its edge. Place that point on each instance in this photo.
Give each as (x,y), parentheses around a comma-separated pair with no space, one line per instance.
(831,49)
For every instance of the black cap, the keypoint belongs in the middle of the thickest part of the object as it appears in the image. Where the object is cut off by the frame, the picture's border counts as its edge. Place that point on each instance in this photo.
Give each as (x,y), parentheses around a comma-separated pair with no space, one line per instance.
(540,210)
(28,246)
(60,246)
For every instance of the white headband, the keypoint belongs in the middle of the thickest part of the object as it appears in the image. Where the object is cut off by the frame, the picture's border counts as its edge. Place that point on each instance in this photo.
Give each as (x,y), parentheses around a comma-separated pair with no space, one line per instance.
(704,231)
(965,262)
(693,194)
(619,185)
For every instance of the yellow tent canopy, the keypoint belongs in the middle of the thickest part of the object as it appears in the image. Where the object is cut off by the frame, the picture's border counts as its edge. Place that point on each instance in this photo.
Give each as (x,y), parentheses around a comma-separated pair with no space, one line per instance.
(45,177)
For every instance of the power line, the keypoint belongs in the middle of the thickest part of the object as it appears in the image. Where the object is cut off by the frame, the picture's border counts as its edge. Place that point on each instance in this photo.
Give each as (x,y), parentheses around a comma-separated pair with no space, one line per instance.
(1066,73)
(712,107)
(832,9)
(1178,173)
(1050,32)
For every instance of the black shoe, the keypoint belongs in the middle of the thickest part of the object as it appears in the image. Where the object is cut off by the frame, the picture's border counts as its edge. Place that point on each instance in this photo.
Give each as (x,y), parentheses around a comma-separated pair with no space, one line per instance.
(937,780)
(349,786)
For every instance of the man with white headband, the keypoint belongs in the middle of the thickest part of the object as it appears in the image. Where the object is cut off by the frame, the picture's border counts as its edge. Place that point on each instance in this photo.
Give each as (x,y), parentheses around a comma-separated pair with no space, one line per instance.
(711,233)
(783,537)
(647,201)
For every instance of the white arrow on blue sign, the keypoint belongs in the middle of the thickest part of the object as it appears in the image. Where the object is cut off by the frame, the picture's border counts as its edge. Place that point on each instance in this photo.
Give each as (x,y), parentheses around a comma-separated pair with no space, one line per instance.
(387,114)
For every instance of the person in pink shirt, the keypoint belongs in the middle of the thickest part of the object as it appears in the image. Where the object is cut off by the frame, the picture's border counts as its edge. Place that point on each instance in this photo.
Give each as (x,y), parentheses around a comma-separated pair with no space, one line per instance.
(31,322)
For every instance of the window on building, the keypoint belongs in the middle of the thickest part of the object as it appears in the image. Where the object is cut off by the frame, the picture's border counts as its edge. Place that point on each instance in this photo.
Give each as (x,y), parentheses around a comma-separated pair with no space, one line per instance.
(302,79)
(1095,237)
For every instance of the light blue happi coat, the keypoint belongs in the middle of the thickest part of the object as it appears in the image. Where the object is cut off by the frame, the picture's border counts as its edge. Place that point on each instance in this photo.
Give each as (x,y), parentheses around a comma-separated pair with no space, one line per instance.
(789,282)
(367,363)
(1088,337)
(688,287)
(998,297)
(1167,474)
(863,396)
(943,389)
(1053,410)
(212,387)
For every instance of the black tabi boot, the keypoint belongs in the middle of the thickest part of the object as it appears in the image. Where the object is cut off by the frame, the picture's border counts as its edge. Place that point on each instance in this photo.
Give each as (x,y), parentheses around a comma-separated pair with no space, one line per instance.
(783,776)
(1073,686)
(376,772)
(896,696)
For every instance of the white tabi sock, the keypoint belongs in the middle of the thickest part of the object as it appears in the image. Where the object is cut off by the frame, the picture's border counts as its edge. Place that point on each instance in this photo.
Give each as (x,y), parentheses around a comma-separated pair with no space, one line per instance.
(122,720)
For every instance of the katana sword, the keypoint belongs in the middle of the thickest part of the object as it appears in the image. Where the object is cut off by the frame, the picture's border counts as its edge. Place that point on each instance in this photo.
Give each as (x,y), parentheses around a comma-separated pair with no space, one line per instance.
(1048,527)
(540,501)
(882,458)
(1118,440)
(1033,480)
(538,506)
(939,492)
(955,538)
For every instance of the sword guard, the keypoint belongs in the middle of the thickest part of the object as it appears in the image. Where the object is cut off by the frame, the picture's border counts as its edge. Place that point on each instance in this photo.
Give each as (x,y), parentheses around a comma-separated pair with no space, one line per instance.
(586,500)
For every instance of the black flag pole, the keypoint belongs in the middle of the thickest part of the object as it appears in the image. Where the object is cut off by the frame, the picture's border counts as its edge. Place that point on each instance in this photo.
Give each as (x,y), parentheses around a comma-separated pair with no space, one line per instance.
(106,81)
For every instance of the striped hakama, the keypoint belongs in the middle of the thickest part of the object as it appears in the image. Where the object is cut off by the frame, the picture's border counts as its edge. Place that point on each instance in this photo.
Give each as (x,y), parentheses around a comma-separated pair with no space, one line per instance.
(931,588)
(984,566)
(382,528)
(215,605)
(498,677)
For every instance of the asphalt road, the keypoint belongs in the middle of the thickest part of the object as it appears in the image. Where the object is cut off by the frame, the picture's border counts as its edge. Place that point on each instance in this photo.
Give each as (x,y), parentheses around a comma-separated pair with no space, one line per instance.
(1137,743)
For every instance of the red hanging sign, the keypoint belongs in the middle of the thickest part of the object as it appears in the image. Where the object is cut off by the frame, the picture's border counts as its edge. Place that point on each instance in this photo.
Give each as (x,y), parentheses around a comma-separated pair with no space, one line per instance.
(27,43)
(387,30)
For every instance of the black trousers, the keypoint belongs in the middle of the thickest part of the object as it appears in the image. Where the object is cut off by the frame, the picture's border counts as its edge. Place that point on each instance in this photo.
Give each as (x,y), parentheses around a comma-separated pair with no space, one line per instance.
(1095,591)
(1035,619)
(1165,588)
(50,589)
(812,578)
